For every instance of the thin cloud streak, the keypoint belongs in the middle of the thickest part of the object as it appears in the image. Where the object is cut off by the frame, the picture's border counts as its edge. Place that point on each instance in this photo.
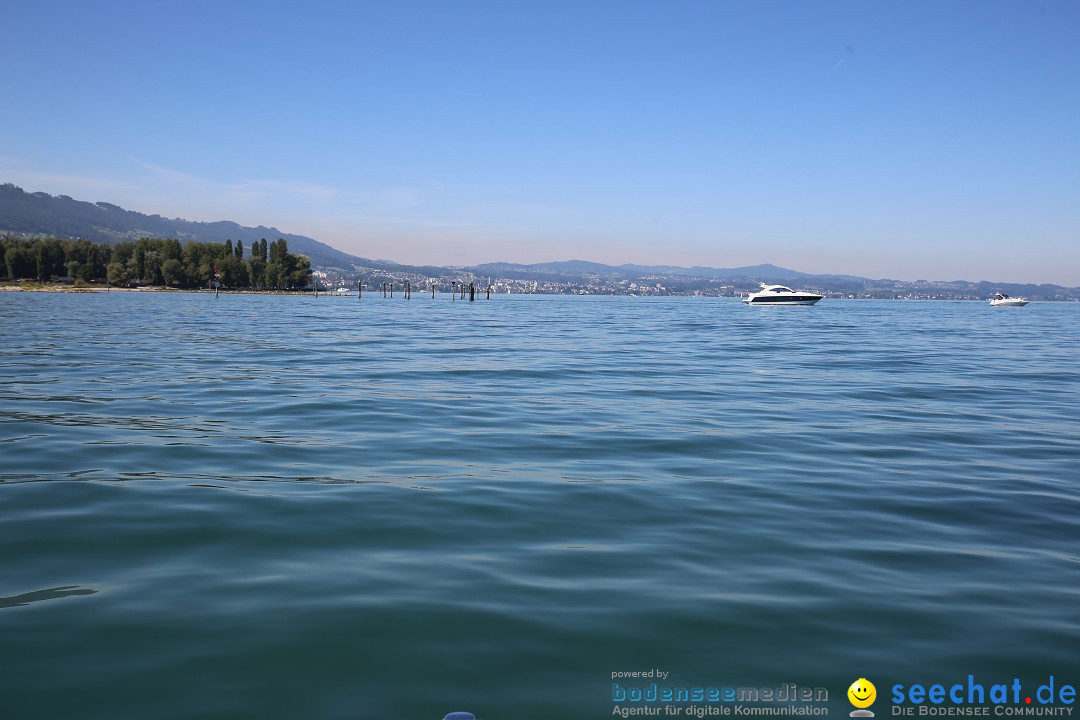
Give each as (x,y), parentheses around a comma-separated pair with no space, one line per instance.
(163,190)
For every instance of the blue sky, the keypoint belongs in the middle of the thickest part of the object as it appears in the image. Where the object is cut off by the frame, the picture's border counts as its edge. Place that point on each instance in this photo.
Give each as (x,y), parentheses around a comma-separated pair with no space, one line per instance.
(935,140)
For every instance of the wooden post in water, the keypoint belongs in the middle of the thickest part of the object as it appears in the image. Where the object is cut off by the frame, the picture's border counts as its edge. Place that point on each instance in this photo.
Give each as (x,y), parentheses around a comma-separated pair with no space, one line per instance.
(488,292)
(472,291)
(384,289)
(391,289)
(432,291)
(359,289)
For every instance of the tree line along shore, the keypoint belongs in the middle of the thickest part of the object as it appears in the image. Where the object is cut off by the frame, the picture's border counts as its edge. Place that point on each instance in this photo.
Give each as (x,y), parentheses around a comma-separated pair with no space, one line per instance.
(160,262)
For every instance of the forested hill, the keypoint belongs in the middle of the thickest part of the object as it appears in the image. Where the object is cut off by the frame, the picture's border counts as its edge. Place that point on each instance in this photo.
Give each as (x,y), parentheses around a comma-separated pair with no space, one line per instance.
(39,213)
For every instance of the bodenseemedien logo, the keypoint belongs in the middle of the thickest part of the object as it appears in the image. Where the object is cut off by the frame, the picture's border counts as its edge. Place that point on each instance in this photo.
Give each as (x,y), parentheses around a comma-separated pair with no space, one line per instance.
(862,694)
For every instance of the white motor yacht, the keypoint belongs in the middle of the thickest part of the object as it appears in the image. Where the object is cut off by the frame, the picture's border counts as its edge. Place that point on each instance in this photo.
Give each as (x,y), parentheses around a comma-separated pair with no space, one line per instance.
(780,295)
(1003,300)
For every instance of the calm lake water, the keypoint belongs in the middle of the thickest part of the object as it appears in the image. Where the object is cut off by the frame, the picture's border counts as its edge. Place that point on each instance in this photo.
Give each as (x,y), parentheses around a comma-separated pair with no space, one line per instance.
(289,507)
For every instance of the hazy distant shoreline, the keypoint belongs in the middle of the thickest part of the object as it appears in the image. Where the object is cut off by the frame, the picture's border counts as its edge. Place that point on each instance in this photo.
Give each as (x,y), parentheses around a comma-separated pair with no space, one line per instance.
(30,216)
(8,287)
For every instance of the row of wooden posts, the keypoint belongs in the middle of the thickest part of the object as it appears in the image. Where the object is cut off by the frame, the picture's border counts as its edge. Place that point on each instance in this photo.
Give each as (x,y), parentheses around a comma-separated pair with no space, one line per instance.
(407,290)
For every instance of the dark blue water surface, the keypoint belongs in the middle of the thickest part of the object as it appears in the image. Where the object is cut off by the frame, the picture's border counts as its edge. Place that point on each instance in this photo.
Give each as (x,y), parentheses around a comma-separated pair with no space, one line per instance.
(289,507)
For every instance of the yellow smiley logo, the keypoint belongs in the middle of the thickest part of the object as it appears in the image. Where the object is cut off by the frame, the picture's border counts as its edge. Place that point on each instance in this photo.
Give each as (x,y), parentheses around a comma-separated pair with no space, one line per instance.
(862,693)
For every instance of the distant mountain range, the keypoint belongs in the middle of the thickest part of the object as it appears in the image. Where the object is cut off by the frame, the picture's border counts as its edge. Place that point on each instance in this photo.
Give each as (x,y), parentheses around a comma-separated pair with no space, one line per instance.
(38,213)
(585,268)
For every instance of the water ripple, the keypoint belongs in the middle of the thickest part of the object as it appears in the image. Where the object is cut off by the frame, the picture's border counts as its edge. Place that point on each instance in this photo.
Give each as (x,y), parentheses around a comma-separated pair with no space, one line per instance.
(404,507)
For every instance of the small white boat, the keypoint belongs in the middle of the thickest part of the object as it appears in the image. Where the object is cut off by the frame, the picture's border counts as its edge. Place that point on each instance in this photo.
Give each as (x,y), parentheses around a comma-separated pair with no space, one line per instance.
(780,295)
(1003,300)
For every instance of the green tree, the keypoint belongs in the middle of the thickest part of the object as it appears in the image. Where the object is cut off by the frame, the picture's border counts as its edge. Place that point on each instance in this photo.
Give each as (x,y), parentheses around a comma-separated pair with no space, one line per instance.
(122,253)
(156,261)
(278,250)
(256,272)
(172,272)
(201,260)
(117,273)
(275,275)
(171,250)
(86,272)
(138,258)
(301,274)
(233,273)
(48,258)
(152,268)
(241,274)
(20,262)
